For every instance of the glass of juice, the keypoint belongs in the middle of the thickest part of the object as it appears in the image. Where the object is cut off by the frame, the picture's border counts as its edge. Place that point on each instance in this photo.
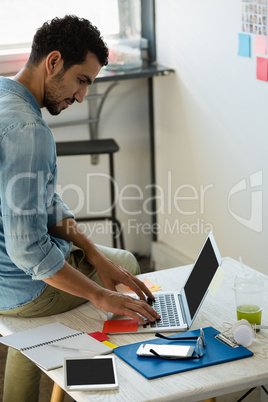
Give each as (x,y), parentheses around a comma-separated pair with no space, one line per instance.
(250,312)
(249,291)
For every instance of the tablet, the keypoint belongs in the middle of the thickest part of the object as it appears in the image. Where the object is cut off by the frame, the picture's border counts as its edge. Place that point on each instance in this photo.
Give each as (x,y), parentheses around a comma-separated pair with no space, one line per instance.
(90,373)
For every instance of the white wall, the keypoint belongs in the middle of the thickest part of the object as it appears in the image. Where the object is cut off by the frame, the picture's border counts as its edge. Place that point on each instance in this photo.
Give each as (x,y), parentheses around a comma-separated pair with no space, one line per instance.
(211,132)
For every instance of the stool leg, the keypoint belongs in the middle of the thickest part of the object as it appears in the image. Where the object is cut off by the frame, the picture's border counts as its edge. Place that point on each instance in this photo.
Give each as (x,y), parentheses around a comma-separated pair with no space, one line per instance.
(120,234)
(246,394)
(112,197)
(116,226)
(265,390)
(57,394)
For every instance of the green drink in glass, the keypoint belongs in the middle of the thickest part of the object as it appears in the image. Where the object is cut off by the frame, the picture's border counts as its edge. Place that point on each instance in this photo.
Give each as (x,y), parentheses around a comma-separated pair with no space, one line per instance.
(250,312)
(249,289)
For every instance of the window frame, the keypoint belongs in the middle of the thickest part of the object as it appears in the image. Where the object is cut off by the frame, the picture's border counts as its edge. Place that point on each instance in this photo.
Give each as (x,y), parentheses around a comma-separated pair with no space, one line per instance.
(148,26)
(13,59)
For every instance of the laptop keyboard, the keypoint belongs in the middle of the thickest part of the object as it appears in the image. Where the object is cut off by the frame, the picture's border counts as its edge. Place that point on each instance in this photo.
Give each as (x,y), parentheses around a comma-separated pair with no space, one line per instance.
(165,305)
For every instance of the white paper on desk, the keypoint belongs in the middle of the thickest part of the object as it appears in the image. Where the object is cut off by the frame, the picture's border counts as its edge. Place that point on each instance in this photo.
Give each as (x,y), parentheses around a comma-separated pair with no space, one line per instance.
(34,343)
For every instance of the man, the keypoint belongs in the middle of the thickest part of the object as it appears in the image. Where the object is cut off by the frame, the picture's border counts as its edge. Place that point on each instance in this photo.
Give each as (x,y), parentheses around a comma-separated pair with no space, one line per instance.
(40,273)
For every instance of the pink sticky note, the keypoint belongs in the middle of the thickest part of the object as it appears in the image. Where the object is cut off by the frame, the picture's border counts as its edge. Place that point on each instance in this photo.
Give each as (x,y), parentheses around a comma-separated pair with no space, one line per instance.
(262,69)
(115,326)
(125,289)
(260,44)
(99,336)
(148,283)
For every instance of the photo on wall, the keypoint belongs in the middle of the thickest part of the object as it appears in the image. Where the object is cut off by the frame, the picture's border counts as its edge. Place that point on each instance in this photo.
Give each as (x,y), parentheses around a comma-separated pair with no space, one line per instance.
(254,16)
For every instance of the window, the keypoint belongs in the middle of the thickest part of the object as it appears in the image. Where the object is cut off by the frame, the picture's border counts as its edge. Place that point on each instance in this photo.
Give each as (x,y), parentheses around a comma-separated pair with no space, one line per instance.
(19,20)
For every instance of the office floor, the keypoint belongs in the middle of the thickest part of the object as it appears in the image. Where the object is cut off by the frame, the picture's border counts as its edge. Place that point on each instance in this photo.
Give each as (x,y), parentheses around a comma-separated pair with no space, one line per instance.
(46,383)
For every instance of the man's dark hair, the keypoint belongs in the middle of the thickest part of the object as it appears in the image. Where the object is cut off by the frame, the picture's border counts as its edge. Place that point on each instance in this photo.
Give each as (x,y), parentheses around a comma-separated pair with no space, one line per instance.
(73,37)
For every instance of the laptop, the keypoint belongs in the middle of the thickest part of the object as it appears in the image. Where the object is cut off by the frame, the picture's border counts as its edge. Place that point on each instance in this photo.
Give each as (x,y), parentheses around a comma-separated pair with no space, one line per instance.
(178,309)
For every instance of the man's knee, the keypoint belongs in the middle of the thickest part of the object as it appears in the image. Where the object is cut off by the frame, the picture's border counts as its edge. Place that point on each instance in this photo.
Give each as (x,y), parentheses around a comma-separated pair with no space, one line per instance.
(132,264)
(123,258)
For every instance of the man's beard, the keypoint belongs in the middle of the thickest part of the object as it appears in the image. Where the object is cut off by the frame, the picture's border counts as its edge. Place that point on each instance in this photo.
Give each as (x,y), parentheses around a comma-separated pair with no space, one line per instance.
(51,100)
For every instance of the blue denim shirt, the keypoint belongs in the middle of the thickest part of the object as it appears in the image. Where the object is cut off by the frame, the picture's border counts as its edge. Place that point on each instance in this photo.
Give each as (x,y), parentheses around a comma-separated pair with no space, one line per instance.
(29,205)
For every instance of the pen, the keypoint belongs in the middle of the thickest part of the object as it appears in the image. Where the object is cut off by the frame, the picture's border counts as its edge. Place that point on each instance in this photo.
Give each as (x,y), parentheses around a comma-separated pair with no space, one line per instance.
(74,349)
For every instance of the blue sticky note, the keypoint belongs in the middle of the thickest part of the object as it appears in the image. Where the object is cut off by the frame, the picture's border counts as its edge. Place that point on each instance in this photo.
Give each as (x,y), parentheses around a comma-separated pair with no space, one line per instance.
(244,45)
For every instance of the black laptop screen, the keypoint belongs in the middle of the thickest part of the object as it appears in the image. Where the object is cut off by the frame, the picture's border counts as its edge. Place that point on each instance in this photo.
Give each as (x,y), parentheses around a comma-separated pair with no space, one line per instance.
(200,277)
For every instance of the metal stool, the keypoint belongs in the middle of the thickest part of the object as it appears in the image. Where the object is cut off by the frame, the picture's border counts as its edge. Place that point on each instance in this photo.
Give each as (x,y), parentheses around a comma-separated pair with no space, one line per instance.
(252,389)
(97,147)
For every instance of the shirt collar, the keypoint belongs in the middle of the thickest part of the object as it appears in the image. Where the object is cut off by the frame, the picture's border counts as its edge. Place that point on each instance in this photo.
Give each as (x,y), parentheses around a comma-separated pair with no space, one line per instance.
(20,90)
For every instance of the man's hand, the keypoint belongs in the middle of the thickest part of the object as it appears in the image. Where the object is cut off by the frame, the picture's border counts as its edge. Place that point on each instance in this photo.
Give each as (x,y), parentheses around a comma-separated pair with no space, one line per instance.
(72,281)
(121,304)
(112,274)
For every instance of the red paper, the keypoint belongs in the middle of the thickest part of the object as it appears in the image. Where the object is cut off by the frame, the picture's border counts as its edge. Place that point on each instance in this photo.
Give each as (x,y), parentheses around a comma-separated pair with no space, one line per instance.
(115,326)
(262,69)
(99,336)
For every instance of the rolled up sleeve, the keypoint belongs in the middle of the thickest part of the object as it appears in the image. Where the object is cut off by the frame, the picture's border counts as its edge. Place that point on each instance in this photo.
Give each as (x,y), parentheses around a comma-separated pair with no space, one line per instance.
(57,211)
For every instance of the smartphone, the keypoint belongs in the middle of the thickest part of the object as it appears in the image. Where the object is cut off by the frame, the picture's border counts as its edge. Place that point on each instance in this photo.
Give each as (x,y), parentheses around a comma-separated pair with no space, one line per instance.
(90,373)
(165,350)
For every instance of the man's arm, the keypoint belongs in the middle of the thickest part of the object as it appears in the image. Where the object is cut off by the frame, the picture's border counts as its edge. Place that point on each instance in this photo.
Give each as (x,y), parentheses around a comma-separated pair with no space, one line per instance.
(72,281)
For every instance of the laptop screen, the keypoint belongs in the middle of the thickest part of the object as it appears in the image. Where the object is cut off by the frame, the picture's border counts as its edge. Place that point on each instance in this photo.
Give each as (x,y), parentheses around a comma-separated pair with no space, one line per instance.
(199,280)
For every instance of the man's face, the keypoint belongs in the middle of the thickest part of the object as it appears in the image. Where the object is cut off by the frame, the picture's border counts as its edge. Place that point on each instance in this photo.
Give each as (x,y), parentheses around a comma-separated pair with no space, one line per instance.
(64,88)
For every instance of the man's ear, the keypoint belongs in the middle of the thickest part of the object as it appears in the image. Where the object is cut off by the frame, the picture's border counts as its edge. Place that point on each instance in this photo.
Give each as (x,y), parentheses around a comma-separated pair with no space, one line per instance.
(54,62)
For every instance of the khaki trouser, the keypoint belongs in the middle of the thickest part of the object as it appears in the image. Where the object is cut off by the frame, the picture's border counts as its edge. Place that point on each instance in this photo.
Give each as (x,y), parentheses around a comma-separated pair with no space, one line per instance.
(22,376)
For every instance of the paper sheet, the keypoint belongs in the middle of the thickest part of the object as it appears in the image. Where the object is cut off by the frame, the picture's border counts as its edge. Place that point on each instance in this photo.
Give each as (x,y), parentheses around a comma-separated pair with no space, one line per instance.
(244,45)
(216,282)
(260,44)
(262,69)
(117,326)
(111,345)
(152,287)
(99,336)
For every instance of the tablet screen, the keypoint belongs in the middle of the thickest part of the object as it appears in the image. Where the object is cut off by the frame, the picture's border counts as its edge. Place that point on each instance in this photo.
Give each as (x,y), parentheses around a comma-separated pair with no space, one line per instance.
(90,373)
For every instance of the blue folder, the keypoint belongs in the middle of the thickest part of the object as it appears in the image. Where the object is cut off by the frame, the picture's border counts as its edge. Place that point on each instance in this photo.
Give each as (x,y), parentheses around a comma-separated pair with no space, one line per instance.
(216,352)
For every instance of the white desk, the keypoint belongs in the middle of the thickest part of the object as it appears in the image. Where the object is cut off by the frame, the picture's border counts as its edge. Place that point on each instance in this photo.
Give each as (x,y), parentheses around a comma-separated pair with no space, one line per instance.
(189,386)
